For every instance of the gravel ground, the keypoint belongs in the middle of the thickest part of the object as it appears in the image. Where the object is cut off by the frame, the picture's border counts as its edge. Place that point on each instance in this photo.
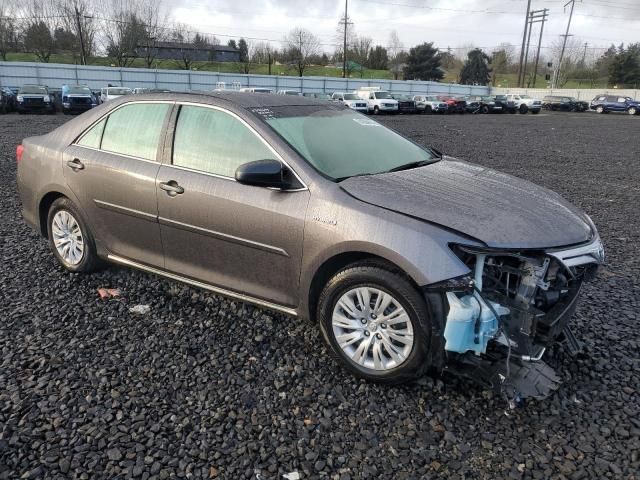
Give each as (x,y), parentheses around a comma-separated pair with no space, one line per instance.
(204,387)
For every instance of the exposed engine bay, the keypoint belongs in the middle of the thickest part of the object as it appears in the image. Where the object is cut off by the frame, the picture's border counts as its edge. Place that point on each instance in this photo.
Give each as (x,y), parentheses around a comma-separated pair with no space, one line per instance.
(513,306)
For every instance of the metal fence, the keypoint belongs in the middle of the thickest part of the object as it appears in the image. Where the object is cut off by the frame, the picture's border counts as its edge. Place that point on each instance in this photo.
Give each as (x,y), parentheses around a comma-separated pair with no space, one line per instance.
(586,94)
(16,74)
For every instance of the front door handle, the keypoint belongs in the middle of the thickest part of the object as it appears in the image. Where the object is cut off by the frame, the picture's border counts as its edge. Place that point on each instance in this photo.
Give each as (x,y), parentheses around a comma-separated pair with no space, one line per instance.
(172,188)
(75,164)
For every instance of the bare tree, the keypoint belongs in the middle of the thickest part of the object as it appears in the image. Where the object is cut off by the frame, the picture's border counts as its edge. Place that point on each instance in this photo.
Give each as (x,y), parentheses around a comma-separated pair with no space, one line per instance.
(123,32)
(396,53)
(77,20)
(184,40)
(301,46)
(155,19)
(572,55)
(40,24)
(8,28)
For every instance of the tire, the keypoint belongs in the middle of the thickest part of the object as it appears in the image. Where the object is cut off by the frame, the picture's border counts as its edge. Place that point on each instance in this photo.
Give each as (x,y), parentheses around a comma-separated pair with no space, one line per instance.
(88,260)
(512,110)
(484,109)
(523,109)
(600,109)
(535,112)
(632,111)
(376,110)
(428,110)
(411,361)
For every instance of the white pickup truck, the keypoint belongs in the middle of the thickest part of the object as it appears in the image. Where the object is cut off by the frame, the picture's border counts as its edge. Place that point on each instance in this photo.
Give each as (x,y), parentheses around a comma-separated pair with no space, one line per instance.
(378,101)
(525,103)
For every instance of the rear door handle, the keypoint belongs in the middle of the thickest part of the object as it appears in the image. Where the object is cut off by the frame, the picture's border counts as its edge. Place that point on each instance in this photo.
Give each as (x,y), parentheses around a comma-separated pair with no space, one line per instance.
(172,188)
(75,164)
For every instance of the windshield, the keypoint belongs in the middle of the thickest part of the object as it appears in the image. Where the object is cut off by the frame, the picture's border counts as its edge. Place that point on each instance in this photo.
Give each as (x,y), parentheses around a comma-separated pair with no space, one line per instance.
(79,90)
(382,95)
(525,96)
(290,92)
(34,89)
(118,91)
(351,96)
(342,143)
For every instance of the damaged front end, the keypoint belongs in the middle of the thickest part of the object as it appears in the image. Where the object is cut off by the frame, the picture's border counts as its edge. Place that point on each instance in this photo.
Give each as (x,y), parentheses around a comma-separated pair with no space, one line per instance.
(514,305)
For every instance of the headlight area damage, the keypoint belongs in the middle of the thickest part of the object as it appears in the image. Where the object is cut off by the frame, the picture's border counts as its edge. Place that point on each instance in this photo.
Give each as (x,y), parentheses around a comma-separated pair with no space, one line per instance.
(514,305)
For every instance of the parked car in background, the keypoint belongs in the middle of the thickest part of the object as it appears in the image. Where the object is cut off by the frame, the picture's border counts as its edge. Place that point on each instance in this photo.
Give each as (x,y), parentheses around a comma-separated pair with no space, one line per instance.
(525,103)
(319,96)
(307,208)
(255,90)
(508,106)
(485,103)
(615,103)
(430,104)
(454,105)
(289,92)
(9,100)
(351,100)
(35,98)
(76,99)
(562,103)
(378,101)
(406,104)
(111,93)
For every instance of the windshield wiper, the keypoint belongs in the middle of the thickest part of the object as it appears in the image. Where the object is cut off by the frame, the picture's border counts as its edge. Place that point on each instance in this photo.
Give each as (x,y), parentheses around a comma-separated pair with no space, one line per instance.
(410,165)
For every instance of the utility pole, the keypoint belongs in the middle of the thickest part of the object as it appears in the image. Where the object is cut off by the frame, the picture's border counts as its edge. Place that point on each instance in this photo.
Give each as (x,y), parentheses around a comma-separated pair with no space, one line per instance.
(344,46)
(564,44)
(524,39)
(535,69)
(83,57)
(584,54)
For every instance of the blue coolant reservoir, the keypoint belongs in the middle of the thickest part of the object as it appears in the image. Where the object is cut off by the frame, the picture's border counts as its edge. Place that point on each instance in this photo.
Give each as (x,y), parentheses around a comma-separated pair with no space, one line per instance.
(459,331)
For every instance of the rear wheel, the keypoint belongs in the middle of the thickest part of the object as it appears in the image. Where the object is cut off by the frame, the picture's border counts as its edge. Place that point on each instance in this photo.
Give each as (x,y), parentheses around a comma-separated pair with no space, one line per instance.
(523,109)
(428,110)
(70,238)
(376,324)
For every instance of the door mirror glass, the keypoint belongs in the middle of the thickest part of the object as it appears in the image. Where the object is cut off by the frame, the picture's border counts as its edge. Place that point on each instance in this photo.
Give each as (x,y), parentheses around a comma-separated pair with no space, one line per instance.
(264,173)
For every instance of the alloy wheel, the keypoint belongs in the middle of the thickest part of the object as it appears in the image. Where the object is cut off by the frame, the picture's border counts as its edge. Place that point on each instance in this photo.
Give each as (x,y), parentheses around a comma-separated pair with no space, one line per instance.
(67,237)
(372,328)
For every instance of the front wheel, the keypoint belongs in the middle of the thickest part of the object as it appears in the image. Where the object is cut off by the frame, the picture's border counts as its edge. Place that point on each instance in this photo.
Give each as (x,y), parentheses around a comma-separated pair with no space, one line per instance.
(376,110)
(632,111)
(600,109)
(428,110)
(523,109)
(70,238)
(376,324)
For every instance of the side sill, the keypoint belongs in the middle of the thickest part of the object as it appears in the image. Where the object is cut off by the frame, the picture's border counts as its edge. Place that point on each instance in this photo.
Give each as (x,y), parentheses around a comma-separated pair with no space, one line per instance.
(204,286)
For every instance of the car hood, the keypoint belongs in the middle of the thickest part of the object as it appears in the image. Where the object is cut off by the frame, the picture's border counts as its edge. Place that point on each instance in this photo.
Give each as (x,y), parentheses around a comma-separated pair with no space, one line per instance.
(499,210)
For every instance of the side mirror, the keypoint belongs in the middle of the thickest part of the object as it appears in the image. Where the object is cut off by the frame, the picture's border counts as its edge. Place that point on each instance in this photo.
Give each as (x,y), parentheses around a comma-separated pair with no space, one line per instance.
(263,173)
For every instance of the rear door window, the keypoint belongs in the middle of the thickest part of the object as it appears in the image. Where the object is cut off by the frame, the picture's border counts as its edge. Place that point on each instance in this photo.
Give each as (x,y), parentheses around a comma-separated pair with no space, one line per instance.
(135,130)
(621,100)
(93,136)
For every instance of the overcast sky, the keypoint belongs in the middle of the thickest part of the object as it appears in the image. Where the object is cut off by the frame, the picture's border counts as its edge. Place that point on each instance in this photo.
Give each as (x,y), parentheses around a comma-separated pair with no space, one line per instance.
(447,23)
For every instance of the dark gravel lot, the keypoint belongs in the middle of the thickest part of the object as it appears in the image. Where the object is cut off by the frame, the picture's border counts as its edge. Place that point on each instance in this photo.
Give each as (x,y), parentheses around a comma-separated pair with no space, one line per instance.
(204,387)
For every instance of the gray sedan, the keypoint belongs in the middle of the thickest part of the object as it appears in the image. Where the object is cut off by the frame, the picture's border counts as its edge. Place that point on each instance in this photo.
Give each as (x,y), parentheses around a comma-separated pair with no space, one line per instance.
(406,259)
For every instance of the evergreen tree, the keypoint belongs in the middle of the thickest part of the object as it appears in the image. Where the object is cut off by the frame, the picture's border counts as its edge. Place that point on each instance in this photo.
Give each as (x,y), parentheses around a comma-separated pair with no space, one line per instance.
(625,66)
(244,50)
(232,43)
(378,58)
(476,69)
(423,63)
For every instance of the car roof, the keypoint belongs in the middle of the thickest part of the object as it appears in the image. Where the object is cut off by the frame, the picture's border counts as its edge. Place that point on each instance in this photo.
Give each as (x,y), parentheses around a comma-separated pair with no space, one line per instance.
(243,99)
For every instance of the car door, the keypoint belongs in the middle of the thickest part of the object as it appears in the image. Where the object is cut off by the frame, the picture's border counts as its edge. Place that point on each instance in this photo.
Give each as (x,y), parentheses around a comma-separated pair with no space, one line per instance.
(237,237)
(112,171)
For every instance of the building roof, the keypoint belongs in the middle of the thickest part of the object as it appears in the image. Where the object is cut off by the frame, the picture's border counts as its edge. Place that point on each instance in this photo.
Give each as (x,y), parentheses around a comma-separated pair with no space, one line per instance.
(191,46)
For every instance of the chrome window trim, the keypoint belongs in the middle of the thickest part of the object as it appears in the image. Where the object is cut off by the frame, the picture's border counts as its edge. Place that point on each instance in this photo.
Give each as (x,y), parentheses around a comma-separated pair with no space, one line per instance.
(155,162)
(253,130)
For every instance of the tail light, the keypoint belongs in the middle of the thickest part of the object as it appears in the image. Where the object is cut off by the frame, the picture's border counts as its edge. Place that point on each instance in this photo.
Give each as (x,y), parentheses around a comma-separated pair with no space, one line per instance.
(19,152)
